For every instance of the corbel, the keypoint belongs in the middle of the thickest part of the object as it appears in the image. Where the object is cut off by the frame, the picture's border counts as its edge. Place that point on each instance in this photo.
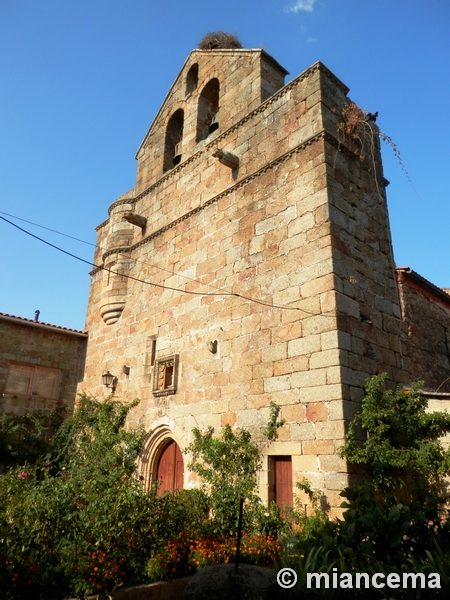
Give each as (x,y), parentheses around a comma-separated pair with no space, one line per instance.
(226,158)
(135,219)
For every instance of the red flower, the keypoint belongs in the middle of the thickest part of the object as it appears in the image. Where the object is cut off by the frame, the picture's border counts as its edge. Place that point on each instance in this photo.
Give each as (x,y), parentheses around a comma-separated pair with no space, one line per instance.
(23,475)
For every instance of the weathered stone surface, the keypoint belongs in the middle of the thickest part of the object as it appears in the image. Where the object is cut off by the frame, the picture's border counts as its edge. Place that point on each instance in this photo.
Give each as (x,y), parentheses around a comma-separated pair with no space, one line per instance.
(34,345)
(218,582)
(285,261)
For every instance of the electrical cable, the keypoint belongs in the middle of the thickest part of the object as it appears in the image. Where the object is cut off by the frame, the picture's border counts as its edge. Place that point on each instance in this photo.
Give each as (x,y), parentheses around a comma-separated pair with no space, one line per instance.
(97,247)
(158,285)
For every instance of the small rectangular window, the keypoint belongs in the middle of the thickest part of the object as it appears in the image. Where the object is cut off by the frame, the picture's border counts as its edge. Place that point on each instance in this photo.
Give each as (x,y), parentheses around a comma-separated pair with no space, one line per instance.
(33,380)
(165,375)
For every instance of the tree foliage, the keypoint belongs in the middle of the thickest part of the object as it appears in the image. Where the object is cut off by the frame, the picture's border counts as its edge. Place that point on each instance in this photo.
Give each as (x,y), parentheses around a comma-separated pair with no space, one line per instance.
(27,437)
(397,520)
(227,466)
(401,439)
(77,519)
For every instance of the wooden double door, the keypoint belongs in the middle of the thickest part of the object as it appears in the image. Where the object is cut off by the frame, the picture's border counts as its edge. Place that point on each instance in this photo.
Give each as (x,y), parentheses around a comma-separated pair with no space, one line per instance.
(170,468)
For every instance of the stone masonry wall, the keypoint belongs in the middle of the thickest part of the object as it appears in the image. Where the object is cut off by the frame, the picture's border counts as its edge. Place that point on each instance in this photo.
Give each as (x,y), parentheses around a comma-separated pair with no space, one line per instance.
(300,227)
(426,312)
(36,344)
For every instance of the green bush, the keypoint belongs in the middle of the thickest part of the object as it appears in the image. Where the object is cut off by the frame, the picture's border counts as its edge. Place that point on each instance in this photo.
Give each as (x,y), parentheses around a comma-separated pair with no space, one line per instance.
(77,520)
(24,438)
(401,446)
(397,520)
(320,559)
(227,466)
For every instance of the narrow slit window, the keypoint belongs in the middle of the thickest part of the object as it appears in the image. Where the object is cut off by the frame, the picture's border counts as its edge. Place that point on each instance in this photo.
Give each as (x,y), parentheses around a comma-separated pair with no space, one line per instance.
(153,353)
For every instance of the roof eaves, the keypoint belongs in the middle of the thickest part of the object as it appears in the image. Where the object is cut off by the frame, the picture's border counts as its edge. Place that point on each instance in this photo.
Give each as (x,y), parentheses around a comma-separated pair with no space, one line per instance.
(442,294)
(41,324)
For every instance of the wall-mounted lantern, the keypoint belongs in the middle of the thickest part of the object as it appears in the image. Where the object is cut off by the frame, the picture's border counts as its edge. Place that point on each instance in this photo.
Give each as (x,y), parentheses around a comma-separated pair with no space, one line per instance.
(109,381)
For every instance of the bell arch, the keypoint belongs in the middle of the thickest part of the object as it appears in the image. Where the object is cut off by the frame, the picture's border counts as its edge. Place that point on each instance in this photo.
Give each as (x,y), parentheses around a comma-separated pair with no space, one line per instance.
(192,79)
(208,109)
(173,146)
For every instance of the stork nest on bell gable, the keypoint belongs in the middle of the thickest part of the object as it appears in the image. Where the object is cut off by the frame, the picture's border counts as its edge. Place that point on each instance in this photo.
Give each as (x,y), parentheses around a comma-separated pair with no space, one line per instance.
(215,40)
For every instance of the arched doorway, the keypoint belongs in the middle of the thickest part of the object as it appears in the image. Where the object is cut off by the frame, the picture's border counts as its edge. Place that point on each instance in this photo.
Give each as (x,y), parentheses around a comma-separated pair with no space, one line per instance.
(170,469)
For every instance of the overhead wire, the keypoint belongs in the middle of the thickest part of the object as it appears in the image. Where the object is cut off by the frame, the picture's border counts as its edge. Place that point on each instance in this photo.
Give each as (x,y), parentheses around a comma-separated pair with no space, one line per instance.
(158,285)
(96,246)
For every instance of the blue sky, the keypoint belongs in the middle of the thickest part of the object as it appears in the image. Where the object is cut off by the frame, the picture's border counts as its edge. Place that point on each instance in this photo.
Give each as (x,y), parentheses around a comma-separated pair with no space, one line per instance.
(81,82)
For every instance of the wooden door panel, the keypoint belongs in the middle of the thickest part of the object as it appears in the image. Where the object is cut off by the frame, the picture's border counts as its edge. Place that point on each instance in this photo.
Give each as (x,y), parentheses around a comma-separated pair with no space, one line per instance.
(280,480)
(170,469)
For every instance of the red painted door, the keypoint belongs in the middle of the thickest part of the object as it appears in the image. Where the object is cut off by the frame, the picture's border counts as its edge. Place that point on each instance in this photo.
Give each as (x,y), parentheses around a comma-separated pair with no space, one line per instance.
(280,480)
(170,469)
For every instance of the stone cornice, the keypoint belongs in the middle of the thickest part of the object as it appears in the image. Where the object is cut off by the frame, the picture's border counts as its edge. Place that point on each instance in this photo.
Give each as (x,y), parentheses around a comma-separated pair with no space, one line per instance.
(322,135)
(116,250)
(105,222)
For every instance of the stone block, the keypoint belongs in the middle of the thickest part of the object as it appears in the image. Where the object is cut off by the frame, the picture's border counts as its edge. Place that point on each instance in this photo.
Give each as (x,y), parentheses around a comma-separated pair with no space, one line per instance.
(303,346)
(283,397)
(310,378)
(274,384)
(318,285)
(330,430)
(294,413)
(304,464)
(328,358)
(336,481)
(291,365)
(332,464)
(274,352)
(317,447)
(303,431)
(316,411)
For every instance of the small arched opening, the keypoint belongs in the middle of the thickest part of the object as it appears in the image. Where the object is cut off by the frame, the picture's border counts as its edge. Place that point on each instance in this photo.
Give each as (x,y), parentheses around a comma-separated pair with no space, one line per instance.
(173,142)
(192,79)
(208,110)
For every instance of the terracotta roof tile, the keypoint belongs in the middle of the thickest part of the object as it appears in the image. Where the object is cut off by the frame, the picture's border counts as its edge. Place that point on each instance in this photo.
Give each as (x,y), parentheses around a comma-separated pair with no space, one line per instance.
(32,321)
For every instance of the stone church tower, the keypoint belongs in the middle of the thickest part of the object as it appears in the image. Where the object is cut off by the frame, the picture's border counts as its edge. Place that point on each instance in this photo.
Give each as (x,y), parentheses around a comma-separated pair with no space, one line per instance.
(250,263)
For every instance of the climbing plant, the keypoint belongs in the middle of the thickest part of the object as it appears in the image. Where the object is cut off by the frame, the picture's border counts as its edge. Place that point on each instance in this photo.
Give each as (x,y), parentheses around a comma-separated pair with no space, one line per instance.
(400,439)
(359,126)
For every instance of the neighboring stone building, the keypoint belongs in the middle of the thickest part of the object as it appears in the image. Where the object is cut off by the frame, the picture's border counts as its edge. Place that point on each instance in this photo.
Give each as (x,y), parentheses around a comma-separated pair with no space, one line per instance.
(426,313)
(40,365)
(251,263)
